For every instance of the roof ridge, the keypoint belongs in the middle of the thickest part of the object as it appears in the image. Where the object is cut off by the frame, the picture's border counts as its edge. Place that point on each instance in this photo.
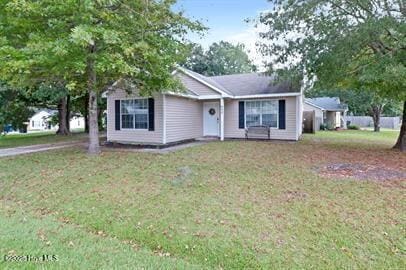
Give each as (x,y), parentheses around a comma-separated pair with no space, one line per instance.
(243,84)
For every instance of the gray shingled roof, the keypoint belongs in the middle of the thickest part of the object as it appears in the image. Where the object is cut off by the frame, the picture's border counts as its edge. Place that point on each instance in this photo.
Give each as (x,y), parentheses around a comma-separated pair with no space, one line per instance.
(327,103)
(209,80)
(252,84)
(37,110)
(246,84)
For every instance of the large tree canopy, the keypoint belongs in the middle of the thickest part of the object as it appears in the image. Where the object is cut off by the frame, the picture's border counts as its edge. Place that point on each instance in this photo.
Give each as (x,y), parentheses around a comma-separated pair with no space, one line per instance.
(339,43)
(87,45)
(221,58)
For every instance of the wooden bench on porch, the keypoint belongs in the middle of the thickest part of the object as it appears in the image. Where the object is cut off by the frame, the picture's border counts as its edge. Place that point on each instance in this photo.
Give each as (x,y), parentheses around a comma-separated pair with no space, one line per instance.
(257,130)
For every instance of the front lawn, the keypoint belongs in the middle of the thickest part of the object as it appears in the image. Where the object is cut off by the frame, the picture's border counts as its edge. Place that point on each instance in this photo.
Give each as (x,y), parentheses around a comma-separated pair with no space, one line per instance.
(15,140)
(231,205)
(384,137)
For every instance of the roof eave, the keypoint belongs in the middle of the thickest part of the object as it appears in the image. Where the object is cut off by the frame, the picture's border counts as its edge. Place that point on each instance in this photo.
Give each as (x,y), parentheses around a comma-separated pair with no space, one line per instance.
(314,105)
(268,95)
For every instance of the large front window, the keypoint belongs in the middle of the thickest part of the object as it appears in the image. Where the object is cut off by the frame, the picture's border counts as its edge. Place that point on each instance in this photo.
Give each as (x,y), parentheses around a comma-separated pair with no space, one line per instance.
(134,114)
(261,112)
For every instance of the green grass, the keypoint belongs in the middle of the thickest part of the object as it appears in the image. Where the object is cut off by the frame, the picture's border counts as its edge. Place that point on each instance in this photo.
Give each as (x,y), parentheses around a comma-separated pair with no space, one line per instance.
(74,247)
(15,140)
(356,137)
(231,205)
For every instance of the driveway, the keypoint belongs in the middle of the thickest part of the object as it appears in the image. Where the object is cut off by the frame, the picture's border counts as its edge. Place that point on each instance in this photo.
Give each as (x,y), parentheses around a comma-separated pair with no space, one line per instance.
(15,151)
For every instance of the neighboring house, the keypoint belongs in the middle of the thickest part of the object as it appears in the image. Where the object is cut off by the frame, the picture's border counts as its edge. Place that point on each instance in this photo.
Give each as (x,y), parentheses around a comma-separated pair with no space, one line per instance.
(77,122)
(221,106)
(328,111)
(41,121)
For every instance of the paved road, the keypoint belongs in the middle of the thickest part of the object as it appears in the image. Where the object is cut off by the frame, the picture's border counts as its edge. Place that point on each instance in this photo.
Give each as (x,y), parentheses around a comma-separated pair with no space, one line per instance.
(7,152)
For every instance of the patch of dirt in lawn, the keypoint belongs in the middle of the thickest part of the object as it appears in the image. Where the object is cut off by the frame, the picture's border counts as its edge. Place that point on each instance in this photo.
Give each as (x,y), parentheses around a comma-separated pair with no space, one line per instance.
(294,195)
(182,176)
(363,172)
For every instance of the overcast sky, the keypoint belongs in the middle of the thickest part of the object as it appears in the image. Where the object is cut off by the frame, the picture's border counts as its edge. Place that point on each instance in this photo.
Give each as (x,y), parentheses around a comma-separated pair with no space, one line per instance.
(226,20)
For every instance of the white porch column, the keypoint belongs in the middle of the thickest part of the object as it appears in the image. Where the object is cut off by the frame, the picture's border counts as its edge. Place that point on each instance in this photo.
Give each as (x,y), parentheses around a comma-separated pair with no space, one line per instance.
(222,119)
(345,119)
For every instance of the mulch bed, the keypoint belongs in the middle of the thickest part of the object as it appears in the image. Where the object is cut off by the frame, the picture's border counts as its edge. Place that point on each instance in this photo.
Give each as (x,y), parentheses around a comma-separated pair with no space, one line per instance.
(362,172)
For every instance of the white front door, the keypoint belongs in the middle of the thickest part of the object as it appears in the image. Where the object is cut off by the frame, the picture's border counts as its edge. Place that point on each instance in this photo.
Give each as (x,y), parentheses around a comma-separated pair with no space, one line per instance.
(211,118)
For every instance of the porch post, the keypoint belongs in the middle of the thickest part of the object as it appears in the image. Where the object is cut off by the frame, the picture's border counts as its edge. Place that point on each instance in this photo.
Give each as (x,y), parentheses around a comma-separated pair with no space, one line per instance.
(345,119)
(222,119)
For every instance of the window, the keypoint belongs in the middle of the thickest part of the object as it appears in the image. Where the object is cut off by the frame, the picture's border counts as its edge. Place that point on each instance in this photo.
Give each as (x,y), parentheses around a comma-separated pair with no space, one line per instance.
(270,113)
(134,114)
(261,112)
(36,124)
(253,113)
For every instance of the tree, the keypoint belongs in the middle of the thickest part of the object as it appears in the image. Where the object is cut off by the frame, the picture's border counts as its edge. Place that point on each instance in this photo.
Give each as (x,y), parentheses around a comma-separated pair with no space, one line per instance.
(14,109)
(339,43)
(16,104)
(53,96)
(88,45)
(197,60)
(221,58)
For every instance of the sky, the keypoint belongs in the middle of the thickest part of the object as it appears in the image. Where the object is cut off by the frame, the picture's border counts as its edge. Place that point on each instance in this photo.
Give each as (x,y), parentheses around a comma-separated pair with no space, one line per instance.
(226,20)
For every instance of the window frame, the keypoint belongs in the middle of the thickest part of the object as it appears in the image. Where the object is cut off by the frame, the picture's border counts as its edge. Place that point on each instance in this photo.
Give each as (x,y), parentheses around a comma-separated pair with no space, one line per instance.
(36,124)
(260,115)
(121,115)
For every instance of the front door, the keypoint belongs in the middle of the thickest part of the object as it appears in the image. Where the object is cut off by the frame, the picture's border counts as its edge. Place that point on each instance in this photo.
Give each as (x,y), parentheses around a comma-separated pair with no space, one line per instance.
(211,118)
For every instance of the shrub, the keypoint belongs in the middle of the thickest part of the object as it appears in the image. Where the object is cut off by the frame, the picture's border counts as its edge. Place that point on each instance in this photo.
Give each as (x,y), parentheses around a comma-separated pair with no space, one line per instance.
(353,127)
(330,126)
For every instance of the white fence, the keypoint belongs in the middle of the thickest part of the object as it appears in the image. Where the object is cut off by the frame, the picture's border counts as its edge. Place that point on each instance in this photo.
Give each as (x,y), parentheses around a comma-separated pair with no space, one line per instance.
(367,121)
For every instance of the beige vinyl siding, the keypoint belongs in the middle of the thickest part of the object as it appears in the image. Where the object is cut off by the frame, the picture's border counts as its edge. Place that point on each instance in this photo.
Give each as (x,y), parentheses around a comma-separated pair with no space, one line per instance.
(184,119)
(309,108)
(231,129)
(318,114)
(195,86)
(133,135)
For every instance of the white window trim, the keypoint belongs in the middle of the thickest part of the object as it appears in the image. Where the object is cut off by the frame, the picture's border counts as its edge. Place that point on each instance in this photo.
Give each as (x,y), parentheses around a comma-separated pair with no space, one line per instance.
(121,118)
(260,116)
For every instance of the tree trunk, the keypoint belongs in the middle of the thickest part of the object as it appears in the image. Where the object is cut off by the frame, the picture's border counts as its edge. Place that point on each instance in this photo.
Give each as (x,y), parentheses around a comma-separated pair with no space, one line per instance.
(376,111)
(86,114)
(100,118)
(401,142)
(62,117)
(94,147)
(68,112)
